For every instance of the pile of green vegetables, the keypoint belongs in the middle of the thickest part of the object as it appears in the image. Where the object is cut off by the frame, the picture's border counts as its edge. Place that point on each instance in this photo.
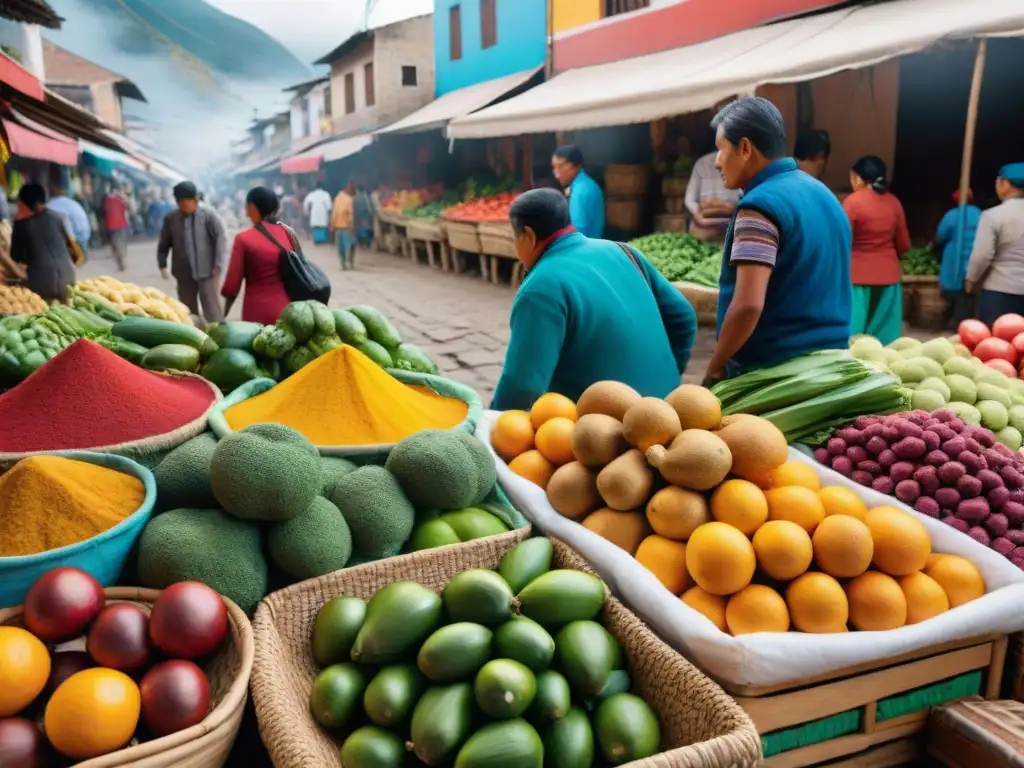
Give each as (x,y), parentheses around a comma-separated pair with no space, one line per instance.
(810,396)
(921,260)
(682,258)
(433,210)
(306,330)
(512,667)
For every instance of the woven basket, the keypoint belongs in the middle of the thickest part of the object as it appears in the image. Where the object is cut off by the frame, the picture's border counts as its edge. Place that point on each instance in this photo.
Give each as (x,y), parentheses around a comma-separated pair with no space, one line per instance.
(208,744)
(626,180)
(930,309)
(702,727)
(424,229)
(703,300)
(462,236)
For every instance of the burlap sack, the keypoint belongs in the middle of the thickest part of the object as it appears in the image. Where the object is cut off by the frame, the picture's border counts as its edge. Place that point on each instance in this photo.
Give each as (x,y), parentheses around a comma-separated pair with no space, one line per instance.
(701,726)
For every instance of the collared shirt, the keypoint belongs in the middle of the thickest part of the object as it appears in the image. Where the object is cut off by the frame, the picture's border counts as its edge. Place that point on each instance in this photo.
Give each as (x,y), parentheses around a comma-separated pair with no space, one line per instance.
(76,217)
(706,184)
(586,205)
(341,216)
(317,206)
(998,255)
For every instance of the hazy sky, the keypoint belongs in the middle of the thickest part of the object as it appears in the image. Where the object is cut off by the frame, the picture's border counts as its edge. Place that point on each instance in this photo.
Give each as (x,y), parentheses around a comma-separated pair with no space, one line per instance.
(312,28)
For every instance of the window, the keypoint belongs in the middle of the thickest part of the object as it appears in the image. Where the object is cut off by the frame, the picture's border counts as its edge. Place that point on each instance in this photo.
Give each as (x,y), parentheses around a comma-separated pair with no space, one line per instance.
(409,75)
(616,7)
(350,93)
(371,97)
(455,32)
(327,101)
(488,24)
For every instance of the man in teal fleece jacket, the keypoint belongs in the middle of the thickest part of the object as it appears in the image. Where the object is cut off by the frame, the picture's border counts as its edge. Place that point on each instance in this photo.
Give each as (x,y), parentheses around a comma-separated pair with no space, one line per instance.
(588,310)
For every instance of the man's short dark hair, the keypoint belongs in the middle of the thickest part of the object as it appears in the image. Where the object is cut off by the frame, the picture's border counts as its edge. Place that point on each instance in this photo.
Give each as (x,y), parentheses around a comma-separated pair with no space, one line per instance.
(811,144)
(186,190)
(571,154)
(545,211)
(32,195)
(757,120)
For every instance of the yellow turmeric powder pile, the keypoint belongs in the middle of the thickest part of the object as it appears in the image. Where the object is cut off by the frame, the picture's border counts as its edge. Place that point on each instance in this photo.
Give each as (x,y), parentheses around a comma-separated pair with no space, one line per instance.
(343,398)
(47,502)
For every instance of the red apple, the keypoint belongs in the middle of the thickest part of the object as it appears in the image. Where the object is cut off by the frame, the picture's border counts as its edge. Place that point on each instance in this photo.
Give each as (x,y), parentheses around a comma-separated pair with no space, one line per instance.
(993,348)
(1008,326)
(1005,367)
(189,620)
(175,696)
(972,331)
(62,604)
(119,638)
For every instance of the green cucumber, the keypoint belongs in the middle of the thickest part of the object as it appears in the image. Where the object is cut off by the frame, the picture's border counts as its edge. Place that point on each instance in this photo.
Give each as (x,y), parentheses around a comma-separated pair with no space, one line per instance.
(569,742)
(508,744)
(172,357)
(504,688)
(526,641)
(129,350)
(376,353)
(236,334)
(372,747)
(455,652)
(230,368)
(587,654)
(474,523)
(335,629)
(525,562)
(151,332)
(441,722)
(627,729)
(336,694)
(479,595)
(349,327)
(378,327)
(398,618)
(559,597)
(392,694)
(553,698)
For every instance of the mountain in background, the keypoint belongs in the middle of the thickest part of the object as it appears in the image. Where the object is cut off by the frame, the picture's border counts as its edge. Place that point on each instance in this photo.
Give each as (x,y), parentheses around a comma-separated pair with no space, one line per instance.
(204,73)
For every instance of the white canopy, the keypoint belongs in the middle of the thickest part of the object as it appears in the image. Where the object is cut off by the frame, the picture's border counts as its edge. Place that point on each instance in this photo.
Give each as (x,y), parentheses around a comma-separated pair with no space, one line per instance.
(341,148)
(699,76)
(457,103)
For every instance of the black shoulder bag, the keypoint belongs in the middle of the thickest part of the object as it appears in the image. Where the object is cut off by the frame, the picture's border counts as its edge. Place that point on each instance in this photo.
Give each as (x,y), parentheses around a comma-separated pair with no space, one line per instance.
(303,280)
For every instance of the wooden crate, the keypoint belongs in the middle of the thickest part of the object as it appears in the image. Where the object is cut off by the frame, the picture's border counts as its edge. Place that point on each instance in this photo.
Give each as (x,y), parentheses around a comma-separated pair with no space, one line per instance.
(626,180)
(675,205)
(974,732)
(624,212)
(427,235)
(674,186)
(930,306)
(852,703)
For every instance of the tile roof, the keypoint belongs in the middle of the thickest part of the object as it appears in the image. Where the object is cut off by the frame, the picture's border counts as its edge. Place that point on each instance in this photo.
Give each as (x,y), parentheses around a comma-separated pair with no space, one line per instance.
(30,11)
(66,68)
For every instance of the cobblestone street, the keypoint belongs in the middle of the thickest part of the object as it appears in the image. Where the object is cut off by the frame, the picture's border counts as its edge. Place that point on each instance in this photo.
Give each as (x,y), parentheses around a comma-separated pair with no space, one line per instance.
(459,320)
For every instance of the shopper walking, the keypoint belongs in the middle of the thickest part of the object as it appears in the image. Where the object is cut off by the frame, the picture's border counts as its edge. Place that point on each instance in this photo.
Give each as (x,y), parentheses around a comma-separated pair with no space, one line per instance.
(41,242)
(317,207)
(997,261)
(955,236)
(194,237)
(343,226)
(115,221)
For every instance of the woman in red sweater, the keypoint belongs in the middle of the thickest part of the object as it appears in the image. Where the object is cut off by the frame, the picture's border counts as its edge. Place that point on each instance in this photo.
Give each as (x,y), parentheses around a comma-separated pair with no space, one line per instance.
(256,261)
(880,238)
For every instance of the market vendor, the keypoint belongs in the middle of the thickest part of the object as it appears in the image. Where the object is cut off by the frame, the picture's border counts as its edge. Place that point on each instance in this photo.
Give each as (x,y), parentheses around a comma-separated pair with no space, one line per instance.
(588,310)
(785,284)
(997,261)
(709,202)
(586,200)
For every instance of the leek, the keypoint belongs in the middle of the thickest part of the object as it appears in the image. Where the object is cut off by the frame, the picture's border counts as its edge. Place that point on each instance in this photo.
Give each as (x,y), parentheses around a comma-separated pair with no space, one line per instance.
(799,388)
(739,387)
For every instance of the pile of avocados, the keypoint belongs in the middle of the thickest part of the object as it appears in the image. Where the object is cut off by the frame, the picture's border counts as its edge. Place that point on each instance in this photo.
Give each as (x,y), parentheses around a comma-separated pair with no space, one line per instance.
(506,668)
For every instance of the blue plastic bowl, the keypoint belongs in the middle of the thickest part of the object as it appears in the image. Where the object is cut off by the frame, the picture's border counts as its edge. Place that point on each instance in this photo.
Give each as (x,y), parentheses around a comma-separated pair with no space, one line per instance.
(103,556)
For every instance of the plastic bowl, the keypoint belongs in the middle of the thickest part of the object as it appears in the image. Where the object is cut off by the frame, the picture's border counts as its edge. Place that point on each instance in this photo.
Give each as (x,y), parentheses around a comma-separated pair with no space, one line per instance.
(103,556)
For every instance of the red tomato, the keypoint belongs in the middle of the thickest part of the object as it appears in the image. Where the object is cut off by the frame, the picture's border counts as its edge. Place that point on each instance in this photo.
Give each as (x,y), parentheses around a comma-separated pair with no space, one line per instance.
(1018,344)
(1008,327)
(993,348)
(973,331)
(1005,367)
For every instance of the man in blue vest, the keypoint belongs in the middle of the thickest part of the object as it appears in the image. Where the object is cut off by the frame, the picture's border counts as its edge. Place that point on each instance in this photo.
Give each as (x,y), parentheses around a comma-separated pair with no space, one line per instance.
(586,200)
(785,286)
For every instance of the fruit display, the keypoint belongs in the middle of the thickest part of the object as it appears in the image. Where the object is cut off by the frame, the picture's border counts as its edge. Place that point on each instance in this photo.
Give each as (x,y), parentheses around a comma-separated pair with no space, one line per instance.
(939,373)
(126,298)
(137,679)
(679,256)
(476,210)
(922,260)
(18,300)
(408,199)
(512,667)
(1001,347)
(942,467)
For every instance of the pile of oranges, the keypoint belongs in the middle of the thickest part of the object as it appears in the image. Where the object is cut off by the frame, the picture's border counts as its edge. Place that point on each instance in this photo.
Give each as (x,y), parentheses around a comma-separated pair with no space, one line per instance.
(537,442)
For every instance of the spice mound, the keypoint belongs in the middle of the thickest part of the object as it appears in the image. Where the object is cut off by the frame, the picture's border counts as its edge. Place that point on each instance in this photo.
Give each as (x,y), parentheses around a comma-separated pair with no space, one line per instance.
(47,502)
(344,398)
(88,397)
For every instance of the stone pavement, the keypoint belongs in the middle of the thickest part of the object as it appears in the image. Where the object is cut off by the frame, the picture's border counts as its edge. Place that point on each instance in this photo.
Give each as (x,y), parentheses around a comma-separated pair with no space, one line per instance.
(459,320)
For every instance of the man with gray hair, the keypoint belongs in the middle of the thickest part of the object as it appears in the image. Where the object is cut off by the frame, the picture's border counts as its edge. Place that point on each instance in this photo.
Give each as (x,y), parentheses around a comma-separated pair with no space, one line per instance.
(195,238)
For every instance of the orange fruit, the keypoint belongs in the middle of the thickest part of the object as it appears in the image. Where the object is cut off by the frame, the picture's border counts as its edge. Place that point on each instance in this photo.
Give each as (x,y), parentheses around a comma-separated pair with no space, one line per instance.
(720,558)
(794,473)
(554,440)
(512,434)
(958,577)
(840,500)
(876,602)
(925,597)
(675,513)
(711,606)
(902,545)
(92,713)
(843,546)
(666,559)
(797,504)
(783,549)
(24,669)
(756,608)
(817,604)
(532,466)
(741,504)
(552,406)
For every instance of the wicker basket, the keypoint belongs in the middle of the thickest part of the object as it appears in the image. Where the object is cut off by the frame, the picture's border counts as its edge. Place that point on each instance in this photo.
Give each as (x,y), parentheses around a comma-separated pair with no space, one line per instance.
(208,744)
(703,300)
(626,180)
(702,727)
(930,306)
(424,229)
(462,236)
(623,213)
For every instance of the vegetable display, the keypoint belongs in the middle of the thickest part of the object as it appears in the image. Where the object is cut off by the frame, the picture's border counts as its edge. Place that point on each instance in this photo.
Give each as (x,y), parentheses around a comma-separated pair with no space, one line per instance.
(18,300)
(921,260)
(1001,347)
(682,257)
(493,208)
(126,298)
(513,665)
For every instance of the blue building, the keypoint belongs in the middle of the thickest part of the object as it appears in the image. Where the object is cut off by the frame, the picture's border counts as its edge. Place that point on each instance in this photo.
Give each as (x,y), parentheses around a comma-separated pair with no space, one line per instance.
(478,40)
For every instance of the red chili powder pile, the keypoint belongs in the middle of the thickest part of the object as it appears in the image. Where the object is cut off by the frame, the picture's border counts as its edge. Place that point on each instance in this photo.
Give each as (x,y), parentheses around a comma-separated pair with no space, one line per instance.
(88,397)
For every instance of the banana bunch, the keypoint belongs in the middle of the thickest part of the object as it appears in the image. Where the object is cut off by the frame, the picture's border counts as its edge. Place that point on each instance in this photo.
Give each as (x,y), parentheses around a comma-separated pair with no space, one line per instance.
(130,299)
